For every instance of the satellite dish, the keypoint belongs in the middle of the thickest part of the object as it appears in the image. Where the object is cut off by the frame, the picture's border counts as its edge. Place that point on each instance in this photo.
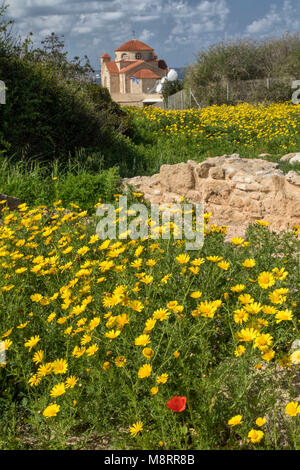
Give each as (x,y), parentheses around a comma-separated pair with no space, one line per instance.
(172,75)
(159,88)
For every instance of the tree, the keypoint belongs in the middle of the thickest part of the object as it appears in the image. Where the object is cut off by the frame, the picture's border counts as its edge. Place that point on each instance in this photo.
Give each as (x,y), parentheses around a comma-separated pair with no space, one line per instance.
(6,43)
(52,54)
(53,45)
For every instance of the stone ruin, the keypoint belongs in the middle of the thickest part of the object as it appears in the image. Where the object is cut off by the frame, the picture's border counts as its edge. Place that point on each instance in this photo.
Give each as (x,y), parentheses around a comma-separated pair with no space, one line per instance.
(236,190)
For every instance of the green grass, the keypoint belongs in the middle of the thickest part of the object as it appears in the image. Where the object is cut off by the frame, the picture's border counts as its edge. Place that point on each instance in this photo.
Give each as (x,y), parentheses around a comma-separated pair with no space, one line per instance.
(169,137)
(43,184)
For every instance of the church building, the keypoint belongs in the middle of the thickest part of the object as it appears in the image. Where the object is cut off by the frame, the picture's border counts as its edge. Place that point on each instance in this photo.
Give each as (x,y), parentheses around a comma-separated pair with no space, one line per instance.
(133,74)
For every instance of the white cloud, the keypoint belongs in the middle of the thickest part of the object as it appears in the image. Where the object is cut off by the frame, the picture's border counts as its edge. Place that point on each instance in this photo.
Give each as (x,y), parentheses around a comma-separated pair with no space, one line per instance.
(192,22)
(81,17)
(277,20)
(146,35)
(265,24)
(95,26)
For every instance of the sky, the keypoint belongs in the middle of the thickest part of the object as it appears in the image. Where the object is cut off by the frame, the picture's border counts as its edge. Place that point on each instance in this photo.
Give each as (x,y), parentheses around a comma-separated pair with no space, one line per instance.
(177,29)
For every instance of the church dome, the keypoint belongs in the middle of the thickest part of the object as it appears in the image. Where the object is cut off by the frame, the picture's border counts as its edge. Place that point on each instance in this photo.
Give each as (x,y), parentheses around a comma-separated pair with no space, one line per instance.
(134,45)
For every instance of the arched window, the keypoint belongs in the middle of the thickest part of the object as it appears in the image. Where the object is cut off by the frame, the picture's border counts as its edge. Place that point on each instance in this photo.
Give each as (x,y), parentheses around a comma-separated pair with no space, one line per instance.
(124,56)
(138,56)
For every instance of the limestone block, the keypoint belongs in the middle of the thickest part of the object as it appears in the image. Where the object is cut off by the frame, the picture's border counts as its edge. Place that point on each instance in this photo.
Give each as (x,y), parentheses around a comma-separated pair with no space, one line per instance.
(293,177)
(177,178)
(217,173)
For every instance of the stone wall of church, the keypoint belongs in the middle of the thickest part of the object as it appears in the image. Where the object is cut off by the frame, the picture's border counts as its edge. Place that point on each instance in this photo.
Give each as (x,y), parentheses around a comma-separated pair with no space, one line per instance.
(148,84)
(114,84)
(136,87)
(105,80)
(144,85)
(133,55)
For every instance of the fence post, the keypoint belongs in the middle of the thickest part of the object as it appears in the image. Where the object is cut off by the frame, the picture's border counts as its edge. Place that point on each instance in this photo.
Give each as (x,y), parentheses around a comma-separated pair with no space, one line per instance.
(195,99)
(227,92)
(268,83)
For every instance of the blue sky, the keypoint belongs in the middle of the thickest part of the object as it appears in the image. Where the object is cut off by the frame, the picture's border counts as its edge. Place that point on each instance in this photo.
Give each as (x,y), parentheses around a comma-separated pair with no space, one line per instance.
(176,29)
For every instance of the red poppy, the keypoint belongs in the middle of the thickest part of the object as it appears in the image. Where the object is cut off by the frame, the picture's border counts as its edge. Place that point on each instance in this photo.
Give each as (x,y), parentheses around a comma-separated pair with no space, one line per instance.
(177,403)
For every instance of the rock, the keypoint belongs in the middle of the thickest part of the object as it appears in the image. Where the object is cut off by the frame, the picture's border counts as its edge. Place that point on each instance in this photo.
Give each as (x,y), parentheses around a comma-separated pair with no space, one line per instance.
(293,177)
(288,156)
(217,173)
(263,155)
(202,170)
(295,159)
(154,180)
(234,156)
(242,178)
(177,178)
(193,196)
(250,187)
(236,190)
(12,202)
(192,163)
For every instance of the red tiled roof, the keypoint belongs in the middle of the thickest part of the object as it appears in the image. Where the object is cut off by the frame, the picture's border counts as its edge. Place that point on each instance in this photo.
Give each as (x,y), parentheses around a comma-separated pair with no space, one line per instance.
(134,45)
(132,65)
(105,56)
(145,73)
(112,67)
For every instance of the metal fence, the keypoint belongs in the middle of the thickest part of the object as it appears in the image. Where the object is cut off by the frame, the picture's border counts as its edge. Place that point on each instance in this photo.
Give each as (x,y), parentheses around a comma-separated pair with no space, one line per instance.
(250,91)
(183,99)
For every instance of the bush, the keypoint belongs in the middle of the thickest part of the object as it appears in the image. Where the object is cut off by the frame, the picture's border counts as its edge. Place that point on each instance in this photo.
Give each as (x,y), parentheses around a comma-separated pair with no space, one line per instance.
(46,116)
(85,189)
(53,109)
(241,61)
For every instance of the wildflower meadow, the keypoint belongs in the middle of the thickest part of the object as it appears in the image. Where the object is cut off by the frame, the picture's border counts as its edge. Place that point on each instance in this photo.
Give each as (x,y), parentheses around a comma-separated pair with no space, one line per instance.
(140,344)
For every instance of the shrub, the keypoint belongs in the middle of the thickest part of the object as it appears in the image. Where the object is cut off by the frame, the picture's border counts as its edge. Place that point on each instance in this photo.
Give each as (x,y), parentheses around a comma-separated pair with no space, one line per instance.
(242,60)
(85,189)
